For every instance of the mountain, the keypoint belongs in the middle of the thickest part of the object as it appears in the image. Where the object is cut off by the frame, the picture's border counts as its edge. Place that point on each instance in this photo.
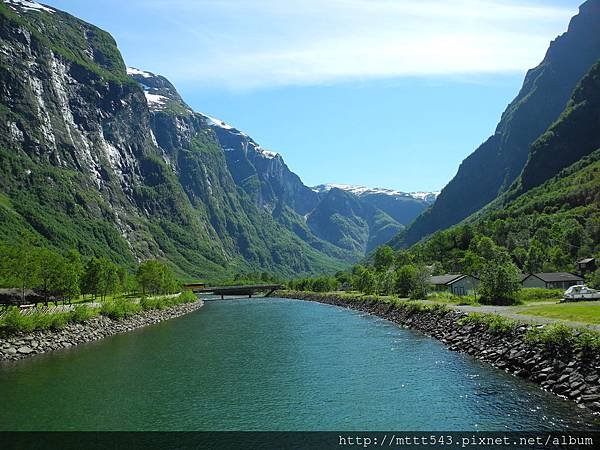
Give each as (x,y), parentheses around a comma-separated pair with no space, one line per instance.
(262,174)
(403,207)
(574,135)
(345,220)
(91,159)
(550,217)
(495,165)
(112,161)
(270,185)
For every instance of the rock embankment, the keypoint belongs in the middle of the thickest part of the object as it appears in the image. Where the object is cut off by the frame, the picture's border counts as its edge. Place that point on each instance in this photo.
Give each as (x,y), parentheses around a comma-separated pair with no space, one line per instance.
(23,345)
(565,370)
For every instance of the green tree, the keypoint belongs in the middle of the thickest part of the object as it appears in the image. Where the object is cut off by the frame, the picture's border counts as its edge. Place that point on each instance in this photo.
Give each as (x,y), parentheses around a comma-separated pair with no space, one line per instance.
(472,263)
(404,279)
(127,282)
(499,278)
(108,278)
(20,263)
(402,258)
(155,277)
(90,280)
(52,274)
(420,283)
(365,281)
(386,282)
(536,257)
(383,258)
(324,284)
(593,279)
(499,282)
(73,274)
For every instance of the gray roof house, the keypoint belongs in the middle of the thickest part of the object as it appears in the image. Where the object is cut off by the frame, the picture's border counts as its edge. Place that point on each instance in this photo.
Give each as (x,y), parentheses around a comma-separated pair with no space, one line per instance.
(455,284)
(552,280)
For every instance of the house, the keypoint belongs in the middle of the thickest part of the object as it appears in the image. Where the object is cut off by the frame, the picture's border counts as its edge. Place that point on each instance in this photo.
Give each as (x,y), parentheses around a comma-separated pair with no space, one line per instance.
(586,265)
(552,280)
(455,284)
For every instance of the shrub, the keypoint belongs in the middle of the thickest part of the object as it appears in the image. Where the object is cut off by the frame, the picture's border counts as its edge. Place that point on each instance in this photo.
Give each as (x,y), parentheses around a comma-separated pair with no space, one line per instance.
(187,297)
(82,313)
(13,321)
(447,297)
(414,307)
(494,323)
(149,303)
(552,337)
(588,341)
(119,309)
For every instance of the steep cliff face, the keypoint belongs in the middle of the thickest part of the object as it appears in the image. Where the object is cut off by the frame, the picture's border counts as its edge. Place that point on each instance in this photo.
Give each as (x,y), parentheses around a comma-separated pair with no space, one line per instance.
(90,159)
(574,135)
(262,174)
(492,168)
(253,222)
(75,144)
(320,219)
(113,162)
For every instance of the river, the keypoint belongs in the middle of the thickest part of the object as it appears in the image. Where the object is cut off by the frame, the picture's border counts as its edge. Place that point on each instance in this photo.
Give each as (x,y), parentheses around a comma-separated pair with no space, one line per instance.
(272,364)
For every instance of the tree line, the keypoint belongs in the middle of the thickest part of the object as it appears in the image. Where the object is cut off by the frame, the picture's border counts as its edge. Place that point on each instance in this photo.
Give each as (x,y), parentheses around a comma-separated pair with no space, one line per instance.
(405,274)
(65,276)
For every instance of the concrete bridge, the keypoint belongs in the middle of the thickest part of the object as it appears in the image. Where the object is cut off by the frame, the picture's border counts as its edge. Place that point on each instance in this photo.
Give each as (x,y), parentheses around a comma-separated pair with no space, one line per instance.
(248,290)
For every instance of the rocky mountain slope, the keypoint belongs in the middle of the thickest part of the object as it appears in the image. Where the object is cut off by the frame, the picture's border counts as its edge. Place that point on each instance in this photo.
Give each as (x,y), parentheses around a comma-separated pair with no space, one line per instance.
(321,220)
(113,162)
(91,160)
(495,165)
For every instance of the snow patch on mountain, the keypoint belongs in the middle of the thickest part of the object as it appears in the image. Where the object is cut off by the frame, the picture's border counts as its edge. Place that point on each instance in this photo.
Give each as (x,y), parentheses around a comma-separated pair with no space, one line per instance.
(155,99)
(28,5)
(267,154)
(363,190)
(134,71)
(214,122)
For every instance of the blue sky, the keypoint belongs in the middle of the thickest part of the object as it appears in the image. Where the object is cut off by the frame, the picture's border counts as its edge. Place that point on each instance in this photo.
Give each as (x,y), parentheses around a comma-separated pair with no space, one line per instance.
(383,93)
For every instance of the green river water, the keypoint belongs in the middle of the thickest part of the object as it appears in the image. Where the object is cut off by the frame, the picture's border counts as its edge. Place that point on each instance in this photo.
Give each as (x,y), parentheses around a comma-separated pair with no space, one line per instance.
(272,364)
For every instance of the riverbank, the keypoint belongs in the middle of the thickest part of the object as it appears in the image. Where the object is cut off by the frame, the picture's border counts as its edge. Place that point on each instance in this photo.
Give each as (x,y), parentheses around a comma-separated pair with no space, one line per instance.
(563,361)
(22,345)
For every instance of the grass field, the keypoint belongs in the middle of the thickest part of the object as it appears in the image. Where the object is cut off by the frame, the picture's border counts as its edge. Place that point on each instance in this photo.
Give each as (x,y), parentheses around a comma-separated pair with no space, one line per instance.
(588,312)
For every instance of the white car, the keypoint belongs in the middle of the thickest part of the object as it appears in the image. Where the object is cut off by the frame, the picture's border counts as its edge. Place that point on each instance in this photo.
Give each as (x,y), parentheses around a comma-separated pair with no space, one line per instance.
(581,292)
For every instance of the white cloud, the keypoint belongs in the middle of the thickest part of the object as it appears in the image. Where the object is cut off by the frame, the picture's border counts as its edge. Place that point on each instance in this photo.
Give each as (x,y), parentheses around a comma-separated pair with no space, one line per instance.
(244,44)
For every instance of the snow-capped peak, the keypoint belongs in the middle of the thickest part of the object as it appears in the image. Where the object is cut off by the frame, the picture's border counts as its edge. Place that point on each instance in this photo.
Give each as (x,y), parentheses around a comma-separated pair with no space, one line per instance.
(425,195)
(134,71)
(28,5)
(363,190)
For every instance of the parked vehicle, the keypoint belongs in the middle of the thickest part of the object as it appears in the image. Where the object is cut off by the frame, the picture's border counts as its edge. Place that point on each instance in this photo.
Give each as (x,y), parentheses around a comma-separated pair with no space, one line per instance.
(581,293)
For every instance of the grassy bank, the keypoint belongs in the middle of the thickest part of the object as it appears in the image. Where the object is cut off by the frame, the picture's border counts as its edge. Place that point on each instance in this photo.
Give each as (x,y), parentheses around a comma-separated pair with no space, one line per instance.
(587,312)
(14,320)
